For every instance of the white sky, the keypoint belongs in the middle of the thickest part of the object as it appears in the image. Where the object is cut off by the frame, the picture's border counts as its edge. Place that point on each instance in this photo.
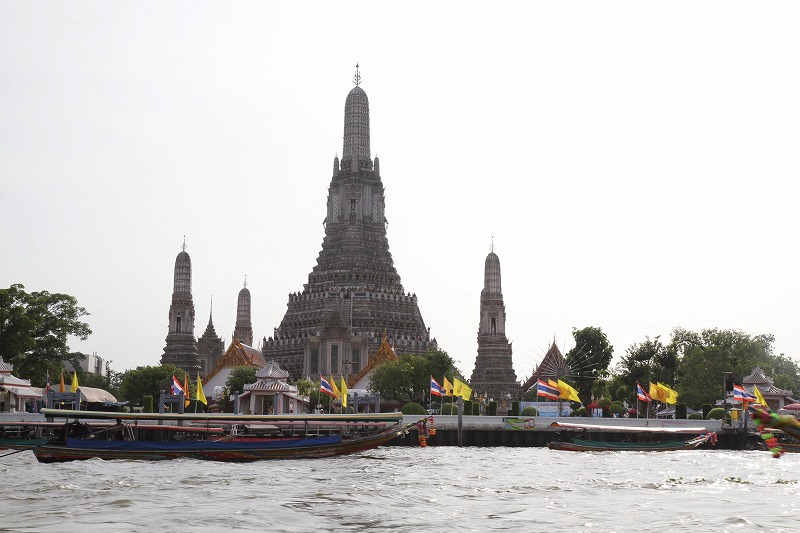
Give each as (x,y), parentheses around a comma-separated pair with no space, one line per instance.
(636,163)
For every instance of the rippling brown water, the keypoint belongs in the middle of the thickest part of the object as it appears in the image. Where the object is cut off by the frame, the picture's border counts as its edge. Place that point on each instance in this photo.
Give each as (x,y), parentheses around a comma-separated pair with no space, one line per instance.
(411,489)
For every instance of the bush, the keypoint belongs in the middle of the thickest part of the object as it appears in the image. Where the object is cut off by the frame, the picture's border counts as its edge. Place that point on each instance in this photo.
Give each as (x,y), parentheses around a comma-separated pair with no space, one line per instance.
(706,409)
(476,409)
(717,413)
(695,416)
(680,411)
(413,408)
(515,408)
(492,409)
(578,412)
(147,404)
(449,409)
(616,408)
(529,411)
(468,408)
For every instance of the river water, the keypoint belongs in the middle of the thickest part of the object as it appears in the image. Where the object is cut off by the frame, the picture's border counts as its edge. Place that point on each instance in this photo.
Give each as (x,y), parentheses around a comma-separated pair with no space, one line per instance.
(410,489)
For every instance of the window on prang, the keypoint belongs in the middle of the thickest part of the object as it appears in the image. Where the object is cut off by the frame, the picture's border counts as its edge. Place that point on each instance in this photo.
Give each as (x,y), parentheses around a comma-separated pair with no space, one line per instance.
(335,359)
(177,324)
(355,367)
(494,326)
(353,210)
(314,362)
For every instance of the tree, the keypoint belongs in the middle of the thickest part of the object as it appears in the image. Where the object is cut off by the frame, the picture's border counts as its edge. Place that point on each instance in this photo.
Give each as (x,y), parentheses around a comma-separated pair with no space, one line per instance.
(588,361)
(648,361)
(707,356)
(409,378)
(34,328)
(87,379)
(239,377)
(147,380)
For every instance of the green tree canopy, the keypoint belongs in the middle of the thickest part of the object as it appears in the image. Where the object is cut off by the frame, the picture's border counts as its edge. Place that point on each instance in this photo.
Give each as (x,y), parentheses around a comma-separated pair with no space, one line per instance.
(588,361)
(239,377)
(709,354)
(147,380)
(648,361)
(408,380)
(34,329)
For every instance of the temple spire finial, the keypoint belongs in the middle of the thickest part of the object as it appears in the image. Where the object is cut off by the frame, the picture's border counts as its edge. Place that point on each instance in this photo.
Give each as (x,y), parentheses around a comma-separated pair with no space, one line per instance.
(492,244)
(357,77)
(245,281)
(183,246)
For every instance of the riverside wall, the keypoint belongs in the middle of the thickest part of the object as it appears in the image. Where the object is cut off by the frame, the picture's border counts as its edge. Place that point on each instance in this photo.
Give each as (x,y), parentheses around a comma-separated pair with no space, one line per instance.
(489,431)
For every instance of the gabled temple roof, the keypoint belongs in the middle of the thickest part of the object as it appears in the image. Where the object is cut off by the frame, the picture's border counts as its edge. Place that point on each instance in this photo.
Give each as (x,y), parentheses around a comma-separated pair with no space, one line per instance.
(5,368)
(757,377)
(272,371)
(384,354)
(271,385)
(553,366)
(238,354)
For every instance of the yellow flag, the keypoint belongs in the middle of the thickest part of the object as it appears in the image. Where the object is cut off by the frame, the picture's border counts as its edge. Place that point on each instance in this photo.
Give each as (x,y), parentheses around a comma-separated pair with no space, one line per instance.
(448,387)
(74,381)
(760,397)
(336,394)
(461,389)
(61,386)
(567,392)
(187,400)
(657,393)
(200,395)
(671,395)
(344,393)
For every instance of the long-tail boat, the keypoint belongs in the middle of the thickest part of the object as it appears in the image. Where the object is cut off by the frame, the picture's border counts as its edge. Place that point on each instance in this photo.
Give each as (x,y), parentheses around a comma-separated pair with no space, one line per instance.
(217,437)
(576,444)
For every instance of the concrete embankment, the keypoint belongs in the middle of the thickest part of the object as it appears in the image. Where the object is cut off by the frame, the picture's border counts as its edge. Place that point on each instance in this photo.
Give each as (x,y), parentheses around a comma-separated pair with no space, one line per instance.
(537,431)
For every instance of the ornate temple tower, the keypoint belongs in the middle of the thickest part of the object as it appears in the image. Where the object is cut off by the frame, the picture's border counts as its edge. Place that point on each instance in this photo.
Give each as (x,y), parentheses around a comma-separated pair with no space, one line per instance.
(209,347)
(336,323)
(181,348)
(494,373)
(243,331)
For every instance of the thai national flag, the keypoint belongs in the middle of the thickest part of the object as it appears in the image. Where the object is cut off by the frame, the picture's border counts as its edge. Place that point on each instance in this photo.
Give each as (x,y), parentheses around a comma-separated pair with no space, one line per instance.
(177,388)
(325,387)
(739,394)
(642,395)
(548,391)
(436,389)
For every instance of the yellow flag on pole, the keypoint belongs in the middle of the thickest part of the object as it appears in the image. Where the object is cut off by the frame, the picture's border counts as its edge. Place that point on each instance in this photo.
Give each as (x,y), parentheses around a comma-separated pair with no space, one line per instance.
(187,400)
(336,394)
(344,393)
(61,386)
(461,389)
(760,397)
(74,381)
(448,387)
(200,395)
(666,394)
(657,392)
(567,392)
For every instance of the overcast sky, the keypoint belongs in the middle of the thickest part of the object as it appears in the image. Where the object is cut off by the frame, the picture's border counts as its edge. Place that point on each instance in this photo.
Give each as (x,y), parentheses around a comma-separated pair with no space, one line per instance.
(635,162)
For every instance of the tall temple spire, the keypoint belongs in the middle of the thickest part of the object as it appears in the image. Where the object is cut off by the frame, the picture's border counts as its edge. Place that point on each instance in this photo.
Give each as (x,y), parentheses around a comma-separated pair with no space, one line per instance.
(243,332)
(354,291)
(181,348)
(356,124)
(209,347)
(494,373)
